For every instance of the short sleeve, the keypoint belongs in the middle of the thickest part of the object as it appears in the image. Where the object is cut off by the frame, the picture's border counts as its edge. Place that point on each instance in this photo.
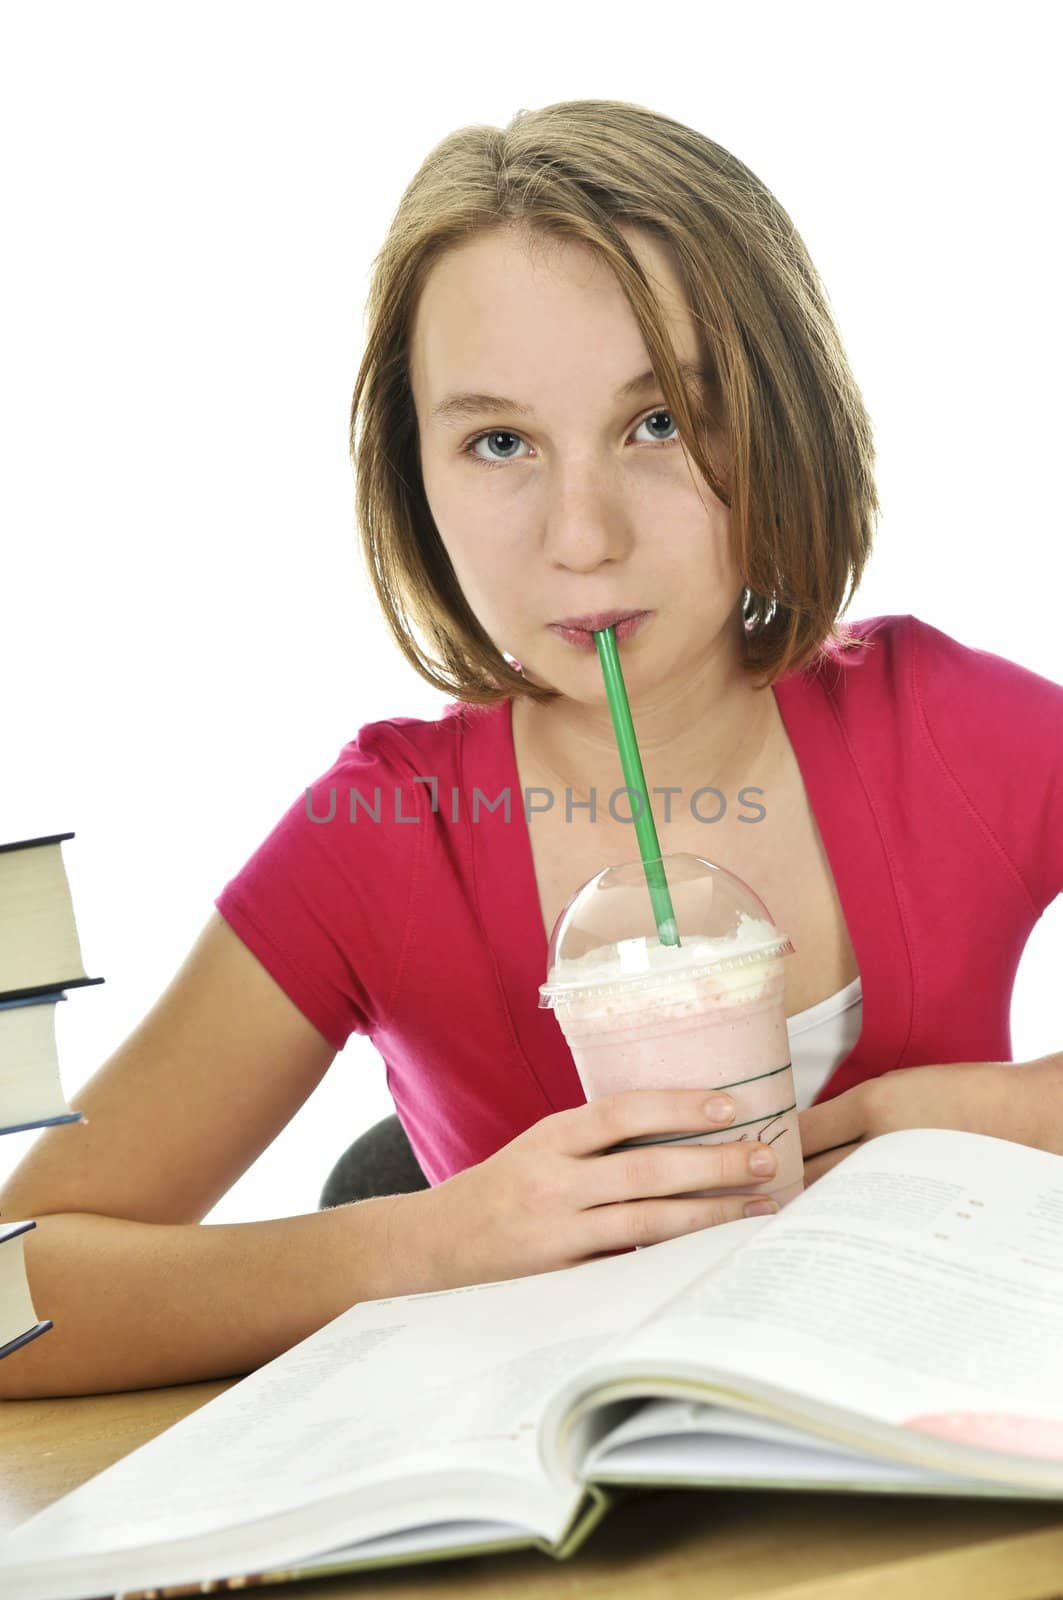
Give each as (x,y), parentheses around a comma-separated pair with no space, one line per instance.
(324,900)
(997,728)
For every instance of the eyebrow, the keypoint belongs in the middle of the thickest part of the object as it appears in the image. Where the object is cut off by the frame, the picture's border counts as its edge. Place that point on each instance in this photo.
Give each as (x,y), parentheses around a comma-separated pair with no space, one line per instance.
(457,408)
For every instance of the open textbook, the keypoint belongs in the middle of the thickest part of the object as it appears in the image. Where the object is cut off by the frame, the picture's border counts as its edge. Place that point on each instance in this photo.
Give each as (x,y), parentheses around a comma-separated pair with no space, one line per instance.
(898,1328)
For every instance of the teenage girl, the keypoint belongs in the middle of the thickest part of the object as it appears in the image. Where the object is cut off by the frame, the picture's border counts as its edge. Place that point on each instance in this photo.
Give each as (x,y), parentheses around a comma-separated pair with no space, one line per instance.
(600,377)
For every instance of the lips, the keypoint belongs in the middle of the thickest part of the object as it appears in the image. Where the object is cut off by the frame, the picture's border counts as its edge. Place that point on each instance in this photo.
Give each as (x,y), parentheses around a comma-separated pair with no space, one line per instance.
(583,633)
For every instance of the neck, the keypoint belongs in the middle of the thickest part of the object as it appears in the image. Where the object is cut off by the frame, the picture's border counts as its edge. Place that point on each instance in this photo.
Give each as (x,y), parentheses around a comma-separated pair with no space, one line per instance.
(710,729)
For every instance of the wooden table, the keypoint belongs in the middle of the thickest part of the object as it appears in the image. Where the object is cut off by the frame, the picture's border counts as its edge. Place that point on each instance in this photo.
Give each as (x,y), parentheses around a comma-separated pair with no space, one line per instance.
(716,1545)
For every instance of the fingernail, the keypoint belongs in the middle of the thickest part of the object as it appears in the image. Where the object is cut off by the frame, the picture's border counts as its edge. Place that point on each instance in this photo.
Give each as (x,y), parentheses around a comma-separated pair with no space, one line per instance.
(721,1108)
(762,1162)
(760,1208)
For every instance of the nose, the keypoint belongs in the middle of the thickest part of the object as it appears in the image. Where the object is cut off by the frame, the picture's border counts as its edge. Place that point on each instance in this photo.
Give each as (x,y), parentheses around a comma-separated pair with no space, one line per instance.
(586,520)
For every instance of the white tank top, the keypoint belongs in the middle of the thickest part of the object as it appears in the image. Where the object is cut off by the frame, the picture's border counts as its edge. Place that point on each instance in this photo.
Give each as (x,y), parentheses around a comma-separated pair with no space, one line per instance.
(821,1037)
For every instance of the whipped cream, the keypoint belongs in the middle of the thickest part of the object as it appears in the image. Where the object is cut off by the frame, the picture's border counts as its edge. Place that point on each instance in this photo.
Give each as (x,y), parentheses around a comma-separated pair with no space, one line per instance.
(636,958)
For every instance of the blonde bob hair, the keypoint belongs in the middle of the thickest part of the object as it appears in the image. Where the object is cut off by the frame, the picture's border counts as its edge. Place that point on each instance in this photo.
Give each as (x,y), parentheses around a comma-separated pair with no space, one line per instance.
(799,466)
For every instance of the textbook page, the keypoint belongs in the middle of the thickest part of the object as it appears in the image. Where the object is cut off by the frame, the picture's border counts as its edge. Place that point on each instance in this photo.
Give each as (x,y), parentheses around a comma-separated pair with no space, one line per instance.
(399,1412)
(917,1285)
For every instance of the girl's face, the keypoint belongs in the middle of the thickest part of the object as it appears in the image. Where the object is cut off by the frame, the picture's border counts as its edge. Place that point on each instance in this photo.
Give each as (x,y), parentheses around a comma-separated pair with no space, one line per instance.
(574,495)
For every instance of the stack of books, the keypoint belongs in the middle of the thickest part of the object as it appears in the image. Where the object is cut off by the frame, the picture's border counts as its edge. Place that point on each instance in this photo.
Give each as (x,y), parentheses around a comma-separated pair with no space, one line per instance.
(40,957)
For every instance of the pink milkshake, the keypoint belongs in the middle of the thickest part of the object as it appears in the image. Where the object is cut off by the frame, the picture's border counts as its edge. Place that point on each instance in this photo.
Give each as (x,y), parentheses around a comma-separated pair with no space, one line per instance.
(707,1014)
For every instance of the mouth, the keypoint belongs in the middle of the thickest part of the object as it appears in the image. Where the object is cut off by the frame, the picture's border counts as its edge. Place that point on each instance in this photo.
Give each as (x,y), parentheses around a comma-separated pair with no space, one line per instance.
(579,631)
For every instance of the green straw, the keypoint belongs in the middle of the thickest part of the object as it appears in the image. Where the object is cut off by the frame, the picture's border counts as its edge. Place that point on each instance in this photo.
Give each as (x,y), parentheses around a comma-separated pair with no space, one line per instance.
(635,778)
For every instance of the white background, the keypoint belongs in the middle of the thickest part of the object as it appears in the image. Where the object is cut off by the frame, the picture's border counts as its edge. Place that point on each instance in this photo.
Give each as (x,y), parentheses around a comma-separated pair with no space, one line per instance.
(191,200)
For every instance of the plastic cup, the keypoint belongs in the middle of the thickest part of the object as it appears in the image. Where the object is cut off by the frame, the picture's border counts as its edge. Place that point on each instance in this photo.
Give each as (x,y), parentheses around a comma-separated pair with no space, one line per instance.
(708,1013)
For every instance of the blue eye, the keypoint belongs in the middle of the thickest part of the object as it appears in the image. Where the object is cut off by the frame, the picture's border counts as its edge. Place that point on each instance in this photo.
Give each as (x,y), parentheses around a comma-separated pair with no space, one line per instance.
(494,435)
(653,416)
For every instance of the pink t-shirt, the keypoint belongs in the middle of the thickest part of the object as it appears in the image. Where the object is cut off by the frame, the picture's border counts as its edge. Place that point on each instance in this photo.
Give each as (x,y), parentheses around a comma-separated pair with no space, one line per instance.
(935,775)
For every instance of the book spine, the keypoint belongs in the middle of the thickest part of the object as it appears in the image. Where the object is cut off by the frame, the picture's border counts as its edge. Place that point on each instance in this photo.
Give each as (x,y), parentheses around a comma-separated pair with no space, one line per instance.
(43,1122)
(23,1338)
(53,996)
(44,991)
(33,844)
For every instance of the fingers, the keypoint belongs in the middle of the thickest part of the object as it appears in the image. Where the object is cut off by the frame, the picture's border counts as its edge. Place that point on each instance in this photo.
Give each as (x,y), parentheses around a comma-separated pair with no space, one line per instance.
(645,1222)
(638,1114)
(610,1199)
(652,1170)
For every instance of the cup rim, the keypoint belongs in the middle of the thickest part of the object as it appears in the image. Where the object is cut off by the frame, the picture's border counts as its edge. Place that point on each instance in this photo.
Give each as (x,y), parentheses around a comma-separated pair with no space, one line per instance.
(632,983)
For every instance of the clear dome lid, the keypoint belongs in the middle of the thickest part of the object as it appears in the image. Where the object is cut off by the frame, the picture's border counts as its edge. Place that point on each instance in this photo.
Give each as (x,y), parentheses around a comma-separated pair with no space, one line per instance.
(606,940)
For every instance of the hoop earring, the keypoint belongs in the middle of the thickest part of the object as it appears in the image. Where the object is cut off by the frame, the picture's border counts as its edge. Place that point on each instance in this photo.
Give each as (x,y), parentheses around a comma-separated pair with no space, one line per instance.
(769,604)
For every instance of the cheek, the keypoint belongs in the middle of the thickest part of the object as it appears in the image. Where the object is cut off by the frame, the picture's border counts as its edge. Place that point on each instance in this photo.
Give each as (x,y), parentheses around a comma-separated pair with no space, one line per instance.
(691,533)
(488,572)
(468,524)
(451,515)
(708,525)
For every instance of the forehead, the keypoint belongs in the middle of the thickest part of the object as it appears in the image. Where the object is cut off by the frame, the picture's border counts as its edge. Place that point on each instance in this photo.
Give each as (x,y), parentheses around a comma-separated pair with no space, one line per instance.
(503,291)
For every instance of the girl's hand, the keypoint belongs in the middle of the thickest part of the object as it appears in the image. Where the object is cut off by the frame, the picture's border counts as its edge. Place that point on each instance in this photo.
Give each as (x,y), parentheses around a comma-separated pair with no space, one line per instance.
(974,1096)
(559,1193)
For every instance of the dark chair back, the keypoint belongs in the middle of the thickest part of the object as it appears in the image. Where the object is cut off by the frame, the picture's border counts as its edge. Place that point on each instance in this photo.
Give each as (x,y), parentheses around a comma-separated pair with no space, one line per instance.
(380,1161)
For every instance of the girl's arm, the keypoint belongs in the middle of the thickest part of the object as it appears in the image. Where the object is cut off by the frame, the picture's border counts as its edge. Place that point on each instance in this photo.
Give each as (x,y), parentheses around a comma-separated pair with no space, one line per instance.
(139,1293)
(1017,1100)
